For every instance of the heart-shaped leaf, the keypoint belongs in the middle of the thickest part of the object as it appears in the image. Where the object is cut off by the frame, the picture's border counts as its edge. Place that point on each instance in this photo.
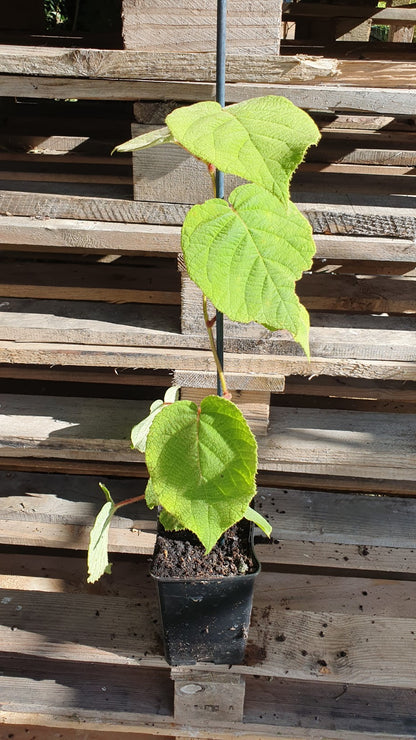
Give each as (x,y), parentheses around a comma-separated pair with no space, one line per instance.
(262,140)
(202,464)
(246,256)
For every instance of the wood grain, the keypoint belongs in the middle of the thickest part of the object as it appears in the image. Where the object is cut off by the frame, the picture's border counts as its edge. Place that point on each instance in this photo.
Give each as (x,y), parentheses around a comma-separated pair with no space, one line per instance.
(323,97)
(315,441)
(200,66)
(154,26)
(116,356)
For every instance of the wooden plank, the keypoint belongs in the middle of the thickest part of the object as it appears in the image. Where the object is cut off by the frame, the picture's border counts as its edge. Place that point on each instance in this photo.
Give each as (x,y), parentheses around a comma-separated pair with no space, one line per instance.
(214,698)
(385,101)
(161,65)
(315,441)
(318,440)
(351,388)
(116,356)
(200,66)
(94,375)
(120,631)
(94,722)
(100,236)
(349,336)
(96,236)
(20,732)
(104,282)
(314,529)
(235,381)
(346,709)
(358,214)
(379,15)
(338,530)
(156,27)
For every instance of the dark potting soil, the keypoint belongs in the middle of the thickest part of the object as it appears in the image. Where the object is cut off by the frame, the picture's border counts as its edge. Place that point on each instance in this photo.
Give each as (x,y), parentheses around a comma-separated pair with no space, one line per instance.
(181,555)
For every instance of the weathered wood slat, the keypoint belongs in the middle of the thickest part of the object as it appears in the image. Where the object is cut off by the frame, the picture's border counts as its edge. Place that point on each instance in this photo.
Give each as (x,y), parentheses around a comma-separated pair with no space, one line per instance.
(104,282)
(99,236)
(332,214)
(148,325)
(121,631)
(353,388)
(200,66)
(156,27)
(116,356)
(125,238)
(316,529)
(316,441)
(379,15)
(385,101)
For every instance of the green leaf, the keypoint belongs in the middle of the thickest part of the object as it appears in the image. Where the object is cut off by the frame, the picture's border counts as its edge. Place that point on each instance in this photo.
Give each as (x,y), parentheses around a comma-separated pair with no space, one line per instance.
(140,431)
(97,551)
(106,493)
(202,463)
(263,139)
(172,394)
(256,518)
(152,138)
(246,256)
(150,496)
(170,522)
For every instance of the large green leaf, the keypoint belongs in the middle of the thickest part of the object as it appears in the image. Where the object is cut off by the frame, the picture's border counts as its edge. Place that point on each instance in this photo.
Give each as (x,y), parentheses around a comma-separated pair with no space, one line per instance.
(202,464)
(262,140)
(246,257)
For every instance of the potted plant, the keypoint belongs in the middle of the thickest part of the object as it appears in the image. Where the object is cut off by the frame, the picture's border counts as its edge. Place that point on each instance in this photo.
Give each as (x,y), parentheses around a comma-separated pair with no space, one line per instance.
(246,254)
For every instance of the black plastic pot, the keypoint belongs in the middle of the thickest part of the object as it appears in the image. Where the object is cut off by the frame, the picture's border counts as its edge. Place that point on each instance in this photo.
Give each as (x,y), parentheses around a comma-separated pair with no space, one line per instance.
(206,619)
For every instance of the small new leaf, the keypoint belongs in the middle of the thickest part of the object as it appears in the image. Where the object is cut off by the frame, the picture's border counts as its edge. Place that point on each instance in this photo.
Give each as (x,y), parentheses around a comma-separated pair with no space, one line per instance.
(152,138)
(140,431)
(98,547)
(172,394)
(253,516)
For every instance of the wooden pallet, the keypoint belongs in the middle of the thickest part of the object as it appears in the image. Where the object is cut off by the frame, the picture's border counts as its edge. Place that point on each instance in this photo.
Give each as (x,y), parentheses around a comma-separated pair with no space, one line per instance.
(329,645)
(93,327)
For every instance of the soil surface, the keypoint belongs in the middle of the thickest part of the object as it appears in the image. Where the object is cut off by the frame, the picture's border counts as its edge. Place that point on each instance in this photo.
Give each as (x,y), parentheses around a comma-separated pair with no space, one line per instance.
(181,555)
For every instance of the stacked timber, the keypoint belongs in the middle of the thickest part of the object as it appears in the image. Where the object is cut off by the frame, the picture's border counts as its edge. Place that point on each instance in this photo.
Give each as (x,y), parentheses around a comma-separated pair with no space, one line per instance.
(98,318)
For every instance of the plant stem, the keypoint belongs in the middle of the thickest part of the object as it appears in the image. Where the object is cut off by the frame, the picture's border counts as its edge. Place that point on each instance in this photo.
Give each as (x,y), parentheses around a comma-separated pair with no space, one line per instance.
(220,371)
(129,501)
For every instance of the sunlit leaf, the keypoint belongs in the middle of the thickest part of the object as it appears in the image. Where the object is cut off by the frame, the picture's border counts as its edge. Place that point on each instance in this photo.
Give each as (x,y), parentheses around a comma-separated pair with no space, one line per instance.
(144,141)
(253,516)
(262,140)
(98,547)
(246,255)
(202,464)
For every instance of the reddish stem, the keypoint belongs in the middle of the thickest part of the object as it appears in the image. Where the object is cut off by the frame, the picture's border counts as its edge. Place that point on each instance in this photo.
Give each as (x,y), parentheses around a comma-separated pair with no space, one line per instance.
(129,501)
